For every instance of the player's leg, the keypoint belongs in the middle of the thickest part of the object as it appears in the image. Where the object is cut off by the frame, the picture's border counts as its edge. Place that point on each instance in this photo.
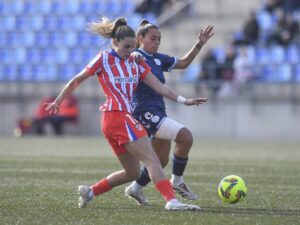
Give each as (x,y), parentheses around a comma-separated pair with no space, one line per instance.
(144,152)
(162,149)
(115,128)
(172,130)
(150,121)
(131,145)
(130,172)
(134,191)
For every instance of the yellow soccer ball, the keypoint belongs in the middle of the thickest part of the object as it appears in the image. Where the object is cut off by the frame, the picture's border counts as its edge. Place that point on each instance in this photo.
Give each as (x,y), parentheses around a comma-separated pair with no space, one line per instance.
(232,189)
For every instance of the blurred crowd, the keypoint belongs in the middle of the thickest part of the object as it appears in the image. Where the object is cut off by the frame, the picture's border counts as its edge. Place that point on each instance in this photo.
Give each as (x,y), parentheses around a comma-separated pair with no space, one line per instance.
(153,6)
(266,47)
(41,119)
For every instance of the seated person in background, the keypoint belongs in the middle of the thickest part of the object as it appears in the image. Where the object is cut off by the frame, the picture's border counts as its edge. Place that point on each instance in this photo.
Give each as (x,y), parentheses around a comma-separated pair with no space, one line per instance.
(68,113)
(226,68)
(227,72)
(291,5)
(285,31)
(272,5)
(210,72)
(250,32)
(152,6)
(244,68)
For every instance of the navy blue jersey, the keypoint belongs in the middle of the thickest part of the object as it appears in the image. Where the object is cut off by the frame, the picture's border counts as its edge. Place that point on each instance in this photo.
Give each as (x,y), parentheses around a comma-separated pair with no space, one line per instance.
(145,98)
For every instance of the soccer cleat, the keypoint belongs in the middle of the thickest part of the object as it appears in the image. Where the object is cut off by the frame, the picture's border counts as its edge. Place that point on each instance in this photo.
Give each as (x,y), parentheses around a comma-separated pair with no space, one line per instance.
(184,191)
(84,198)
(139,197)
(175,205)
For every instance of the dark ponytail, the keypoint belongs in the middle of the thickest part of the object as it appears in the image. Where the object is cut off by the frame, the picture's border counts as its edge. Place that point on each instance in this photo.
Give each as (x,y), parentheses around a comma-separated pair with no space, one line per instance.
(143,29)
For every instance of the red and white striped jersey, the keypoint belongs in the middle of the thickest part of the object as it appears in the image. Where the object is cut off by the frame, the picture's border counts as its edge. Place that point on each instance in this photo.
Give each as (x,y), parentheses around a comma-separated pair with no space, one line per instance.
(118,78)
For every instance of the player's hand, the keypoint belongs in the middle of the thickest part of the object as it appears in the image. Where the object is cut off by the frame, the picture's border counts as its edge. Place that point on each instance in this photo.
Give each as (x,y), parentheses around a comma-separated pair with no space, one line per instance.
(195,101)
(138,57)
(52,107)
(206,34)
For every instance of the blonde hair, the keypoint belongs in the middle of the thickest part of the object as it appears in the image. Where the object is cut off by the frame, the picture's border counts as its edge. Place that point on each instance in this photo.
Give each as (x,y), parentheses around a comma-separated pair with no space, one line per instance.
(117,29)
(143,29)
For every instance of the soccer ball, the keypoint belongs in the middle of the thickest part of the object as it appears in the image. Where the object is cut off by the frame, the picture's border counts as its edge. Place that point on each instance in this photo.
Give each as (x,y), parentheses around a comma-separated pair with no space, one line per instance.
(232,189)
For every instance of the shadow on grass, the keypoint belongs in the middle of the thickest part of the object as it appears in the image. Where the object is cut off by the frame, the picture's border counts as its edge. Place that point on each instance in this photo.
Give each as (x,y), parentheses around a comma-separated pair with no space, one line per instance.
(249,211)
(258,211)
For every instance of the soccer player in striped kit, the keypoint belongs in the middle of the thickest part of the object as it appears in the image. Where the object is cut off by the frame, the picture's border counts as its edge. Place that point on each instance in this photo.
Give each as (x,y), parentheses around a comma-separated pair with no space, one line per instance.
(119,75)
(149,110)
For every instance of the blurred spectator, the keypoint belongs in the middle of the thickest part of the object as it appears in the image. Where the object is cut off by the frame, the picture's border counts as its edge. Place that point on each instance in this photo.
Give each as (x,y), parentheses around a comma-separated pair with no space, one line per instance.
(152,6)
(68,113)
(285,30)
(292,27)
(226,68)
(250,33)
(244,68)
(209,72)
(291,5)
(227,72)
(272,5)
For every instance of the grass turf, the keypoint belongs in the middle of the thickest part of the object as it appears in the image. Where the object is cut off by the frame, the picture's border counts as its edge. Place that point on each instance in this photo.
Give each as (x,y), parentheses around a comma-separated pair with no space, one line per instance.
(39,177)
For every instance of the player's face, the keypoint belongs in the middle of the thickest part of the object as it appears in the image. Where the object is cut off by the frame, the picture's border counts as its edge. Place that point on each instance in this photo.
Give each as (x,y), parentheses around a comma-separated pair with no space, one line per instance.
(151,41)
(124,47)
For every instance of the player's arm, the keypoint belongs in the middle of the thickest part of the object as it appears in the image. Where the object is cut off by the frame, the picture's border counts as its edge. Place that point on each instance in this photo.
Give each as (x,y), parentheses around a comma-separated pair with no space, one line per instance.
(53,107)
(166,91)
(203,37)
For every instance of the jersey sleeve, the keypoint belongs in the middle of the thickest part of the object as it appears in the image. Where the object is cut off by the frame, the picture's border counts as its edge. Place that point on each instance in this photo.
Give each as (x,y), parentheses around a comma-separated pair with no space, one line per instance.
(168,62)
(144,69)
(94,65)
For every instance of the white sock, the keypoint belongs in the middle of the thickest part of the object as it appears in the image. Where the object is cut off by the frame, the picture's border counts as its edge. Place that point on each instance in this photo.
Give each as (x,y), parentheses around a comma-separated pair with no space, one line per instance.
(136,187)
(91,194)
(176,180)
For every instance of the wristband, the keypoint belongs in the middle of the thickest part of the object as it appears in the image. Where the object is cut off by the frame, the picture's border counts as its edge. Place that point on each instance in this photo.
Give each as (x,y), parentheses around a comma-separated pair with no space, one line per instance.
(199,46)
(181,99)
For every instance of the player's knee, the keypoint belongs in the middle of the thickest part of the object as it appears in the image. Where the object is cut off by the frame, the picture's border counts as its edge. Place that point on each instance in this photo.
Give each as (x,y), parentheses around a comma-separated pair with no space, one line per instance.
(185,136)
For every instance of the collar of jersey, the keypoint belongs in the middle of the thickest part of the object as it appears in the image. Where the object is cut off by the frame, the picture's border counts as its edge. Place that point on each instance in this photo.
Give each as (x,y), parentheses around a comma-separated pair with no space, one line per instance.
(146,53)
(114,53)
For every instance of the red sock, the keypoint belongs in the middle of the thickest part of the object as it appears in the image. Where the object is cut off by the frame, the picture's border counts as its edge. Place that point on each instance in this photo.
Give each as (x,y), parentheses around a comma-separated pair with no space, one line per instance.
(165,188)
(101,187)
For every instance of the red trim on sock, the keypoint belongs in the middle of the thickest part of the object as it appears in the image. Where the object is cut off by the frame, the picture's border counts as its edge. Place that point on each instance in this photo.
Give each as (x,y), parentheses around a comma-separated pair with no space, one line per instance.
(166,190)
(101,187)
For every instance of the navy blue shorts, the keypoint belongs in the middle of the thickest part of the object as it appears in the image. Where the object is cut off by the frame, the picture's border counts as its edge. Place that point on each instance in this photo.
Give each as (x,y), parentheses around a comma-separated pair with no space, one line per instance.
(150,120)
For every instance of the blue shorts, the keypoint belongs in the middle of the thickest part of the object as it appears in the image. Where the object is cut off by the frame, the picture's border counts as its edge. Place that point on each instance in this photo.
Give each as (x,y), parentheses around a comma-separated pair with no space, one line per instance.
(150,120)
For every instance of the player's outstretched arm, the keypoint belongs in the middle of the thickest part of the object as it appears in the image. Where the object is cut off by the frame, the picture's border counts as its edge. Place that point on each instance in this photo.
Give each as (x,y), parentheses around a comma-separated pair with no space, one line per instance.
(53,107)
(187,59)
(169,93)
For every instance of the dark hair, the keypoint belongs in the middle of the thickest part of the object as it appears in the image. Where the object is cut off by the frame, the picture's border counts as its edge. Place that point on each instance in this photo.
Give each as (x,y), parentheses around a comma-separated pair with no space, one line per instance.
(143,29)
(117,29)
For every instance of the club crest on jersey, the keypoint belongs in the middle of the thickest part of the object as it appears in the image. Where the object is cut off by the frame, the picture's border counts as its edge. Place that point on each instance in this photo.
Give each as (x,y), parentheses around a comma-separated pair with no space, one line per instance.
(132,79)
(157,61)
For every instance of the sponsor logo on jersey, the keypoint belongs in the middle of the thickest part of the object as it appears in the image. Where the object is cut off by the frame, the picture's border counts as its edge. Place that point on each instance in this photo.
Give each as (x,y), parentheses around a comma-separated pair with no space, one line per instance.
(133,79)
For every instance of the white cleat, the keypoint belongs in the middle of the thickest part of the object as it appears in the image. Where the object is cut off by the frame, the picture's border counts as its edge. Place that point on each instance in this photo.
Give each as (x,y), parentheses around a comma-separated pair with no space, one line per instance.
(185,192)
(84,198)
(139,197)
(175,205)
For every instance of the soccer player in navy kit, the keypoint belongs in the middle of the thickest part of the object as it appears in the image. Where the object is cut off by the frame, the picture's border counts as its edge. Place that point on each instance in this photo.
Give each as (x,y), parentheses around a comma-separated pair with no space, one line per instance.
(149,109)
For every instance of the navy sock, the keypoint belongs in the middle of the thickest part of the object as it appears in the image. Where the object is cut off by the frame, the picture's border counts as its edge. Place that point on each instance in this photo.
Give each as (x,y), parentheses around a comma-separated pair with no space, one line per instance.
(144,178)
(179,165)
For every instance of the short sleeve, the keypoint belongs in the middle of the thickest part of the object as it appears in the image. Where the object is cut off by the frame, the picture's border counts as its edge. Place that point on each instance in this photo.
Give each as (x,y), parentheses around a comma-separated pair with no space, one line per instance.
(94,65)
(168,62)
(144,69)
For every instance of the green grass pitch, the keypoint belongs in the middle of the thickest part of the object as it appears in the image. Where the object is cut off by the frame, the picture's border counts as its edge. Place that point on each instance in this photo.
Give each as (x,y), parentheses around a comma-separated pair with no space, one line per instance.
(39,177)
